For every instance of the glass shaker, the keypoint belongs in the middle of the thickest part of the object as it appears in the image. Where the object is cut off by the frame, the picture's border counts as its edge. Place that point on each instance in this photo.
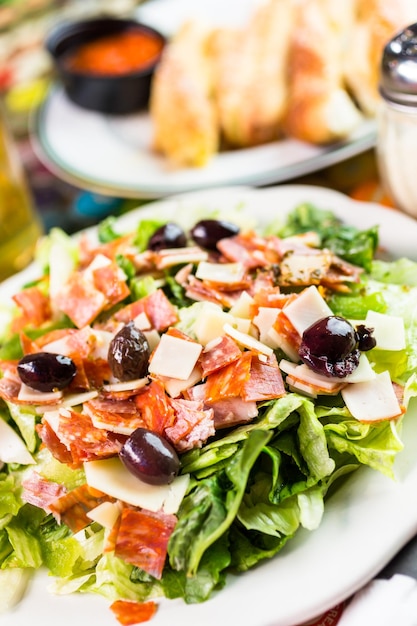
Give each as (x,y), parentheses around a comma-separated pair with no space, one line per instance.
(20,226)
(397,120)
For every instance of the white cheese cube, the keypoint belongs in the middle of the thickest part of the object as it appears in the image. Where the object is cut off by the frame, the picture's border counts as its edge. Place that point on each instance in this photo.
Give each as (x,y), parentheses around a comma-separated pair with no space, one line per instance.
(174,357)
(388,330)
(306,309)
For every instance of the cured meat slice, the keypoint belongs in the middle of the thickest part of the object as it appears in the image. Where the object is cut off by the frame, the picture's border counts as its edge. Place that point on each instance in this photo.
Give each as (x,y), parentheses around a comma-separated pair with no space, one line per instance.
(143,538)
(159,310)
(223,352)
(154,407)
(229,381)
(72,507)
(128,612)
(34,308)
(193,424)
(265,381)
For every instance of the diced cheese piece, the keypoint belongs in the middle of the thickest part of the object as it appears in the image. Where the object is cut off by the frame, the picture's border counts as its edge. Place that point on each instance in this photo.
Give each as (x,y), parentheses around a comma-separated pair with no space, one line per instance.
(176,492)
(243,325)
(263,321)
(127,385)
(72,399)
(177,256)
(175,387)
(373,400)
(388,330)
(153,338)
(225,273)
(242,308)
(247,340)
(111,477)
(12,447)
(142,321)
(275,340)
(174,357)
(27,394)
(362,373)
(106,514)
(99,261)
(209,324)
(307,308)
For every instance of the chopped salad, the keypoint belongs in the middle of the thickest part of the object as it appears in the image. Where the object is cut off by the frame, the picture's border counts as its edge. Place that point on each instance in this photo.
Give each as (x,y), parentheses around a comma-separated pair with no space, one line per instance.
(177,400)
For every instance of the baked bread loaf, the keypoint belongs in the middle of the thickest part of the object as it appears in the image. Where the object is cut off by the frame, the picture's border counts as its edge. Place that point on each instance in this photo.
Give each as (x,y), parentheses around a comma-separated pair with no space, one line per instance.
(376,22)
(250,75)
(182,110)
(319,108)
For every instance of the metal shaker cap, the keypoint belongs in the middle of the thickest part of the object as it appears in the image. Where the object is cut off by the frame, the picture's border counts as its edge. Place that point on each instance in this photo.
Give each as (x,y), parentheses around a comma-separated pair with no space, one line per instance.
(398,80)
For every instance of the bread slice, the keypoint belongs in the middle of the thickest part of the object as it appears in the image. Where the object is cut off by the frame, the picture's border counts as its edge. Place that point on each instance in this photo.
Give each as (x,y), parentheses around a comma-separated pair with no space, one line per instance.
(376,22)
(319,108)
(250,75)
(181,106)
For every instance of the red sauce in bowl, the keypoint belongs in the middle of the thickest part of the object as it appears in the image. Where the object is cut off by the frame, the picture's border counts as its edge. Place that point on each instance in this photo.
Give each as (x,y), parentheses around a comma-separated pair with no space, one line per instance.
(120,53)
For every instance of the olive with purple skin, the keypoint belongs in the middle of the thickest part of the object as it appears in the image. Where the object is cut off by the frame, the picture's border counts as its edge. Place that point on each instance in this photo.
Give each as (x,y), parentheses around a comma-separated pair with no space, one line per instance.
(207,233)
(46,371)
(170,235)
(128,353)
(150,457)
(330,346)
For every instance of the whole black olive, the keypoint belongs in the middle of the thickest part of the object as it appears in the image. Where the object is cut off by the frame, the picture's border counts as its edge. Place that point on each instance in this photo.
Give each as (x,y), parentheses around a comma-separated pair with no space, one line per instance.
(150,457)
(46,371)
(170,235)
(206,233)
(329,347)
(128,354)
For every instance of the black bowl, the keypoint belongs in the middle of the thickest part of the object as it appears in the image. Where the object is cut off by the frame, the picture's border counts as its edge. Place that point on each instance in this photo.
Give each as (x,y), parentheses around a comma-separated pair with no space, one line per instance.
(108,93)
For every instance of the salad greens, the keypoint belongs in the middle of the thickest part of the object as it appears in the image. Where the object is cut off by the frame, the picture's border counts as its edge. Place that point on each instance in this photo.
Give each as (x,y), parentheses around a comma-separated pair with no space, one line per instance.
(252,486)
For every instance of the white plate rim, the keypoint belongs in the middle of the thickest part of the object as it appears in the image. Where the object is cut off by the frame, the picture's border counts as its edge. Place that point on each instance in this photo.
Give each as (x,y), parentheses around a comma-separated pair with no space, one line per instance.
(314,571)
(272,163)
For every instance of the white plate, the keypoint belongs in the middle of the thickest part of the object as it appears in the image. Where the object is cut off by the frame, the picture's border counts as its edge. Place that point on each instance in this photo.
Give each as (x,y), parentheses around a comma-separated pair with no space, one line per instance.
(365,523)
(113,154)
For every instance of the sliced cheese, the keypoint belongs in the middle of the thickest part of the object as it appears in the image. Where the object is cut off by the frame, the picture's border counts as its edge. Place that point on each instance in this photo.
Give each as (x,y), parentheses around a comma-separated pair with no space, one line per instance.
(176,256)
(174,357)
(247,340)
(388,330)
(12,447)
(243,306)
(153,338)
(106,514)
(306,309)
(111,477)
(362,373)
(373,400)
(304,374)
(142,321)
(175,387)
(209,323)
(128,385)
(275,340)
(27,394)
(263,321)
(225,273)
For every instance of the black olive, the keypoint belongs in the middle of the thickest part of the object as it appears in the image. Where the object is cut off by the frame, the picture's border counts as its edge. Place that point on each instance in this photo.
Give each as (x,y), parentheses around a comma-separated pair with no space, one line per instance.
(329,347)
(46,371)
(128,354)
(365,340)
(150,457)
(169,235)
(206,233)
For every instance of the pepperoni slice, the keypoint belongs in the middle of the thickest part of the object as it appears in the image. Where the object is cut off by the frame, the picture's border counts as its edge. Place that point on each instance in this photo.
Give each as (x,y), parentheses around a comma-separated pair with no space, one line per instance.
(143,538)
(225,351)
(229,381)
(128,612)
